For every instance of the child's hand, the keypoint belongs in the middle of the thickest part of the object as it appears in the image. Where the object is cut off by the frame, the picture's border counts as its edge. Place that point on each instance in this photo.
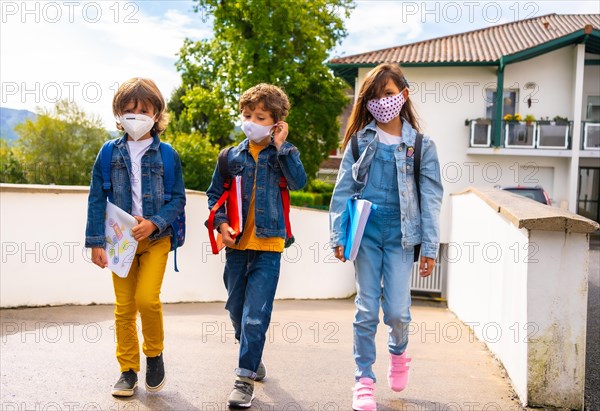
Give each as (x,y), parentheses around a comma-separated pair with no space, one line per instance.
(226,234)
(426,266)
(99,257)
(280,135)
(339,253)
(143,229)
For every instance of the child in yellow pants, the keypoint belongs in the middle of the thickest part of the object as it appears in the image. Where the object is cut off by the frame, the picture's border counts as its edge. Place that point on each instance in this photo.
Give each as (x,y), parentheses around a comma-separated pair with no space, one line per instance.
(137,186)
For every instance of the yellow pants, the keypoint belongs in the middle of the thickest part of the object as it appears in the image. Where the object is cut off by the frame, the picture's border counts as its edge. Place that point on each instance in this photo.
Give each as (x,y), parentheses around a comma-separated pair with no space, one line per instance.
(140,290)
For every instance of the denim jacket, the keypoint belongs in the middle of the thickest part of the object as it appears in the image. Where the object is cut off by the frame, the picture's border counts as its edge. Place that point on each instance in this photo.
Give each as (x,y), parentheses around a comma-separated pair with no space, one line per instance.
(153,204)
(417,226)
(272,164)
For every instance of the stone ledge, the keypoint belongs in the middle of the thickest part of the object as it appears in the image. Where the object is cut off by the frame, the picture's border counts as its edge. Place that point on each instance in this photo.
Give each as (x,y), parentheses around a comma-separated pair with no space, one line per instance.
(531,215)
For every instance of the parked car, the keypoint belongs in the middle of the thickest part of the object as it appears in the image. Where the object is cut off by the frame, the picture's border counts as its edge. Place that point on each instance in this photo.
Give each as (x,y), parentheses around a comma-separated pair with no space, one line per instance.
(536,193)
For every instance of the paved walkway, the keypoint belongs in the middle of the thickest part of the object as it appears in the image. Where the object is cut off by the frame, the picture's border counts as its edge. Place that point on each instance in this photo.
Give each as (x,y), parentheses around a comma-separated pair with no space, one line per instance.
(62,358)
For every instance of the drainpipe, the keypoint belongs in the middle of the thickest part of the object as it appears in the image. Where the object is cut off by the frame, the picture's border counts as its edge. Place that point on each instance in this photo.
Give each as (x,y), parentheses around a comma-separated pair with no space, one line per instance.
(497,125)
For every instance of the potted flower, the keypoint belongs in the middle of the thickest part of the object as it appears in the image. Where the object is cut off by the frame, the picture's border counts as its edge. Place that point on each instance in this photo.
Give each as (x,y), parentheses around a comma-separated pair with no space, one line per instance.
(513,118)
(543,121)
(558,120)
(517,134)
(529,118)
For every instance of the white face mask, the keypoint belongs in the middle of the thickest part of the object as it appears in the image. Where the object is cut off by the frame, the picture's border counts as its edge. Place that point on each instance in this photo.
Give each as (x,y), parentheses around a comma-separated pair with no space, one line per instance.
(256,132)
(136,125)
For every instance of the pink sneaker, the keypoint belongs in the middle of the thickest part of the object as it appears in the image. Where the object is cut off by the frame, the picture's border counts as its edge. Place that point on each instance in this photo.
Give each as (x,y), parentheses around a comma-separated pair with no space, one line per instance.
(363,398)
(398,372)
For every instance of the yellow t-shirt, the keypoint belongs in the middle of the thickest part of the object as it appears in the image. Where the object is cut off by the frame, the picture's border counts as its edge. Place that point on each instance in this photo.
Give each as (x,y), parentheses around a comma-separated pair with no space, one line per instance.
(249,240)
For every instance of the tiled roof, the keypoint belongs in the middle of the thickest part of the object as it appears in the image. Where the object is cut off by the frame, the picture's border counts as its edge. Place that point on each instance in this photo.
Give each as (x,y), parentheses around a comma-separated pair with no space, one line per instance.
(480,46)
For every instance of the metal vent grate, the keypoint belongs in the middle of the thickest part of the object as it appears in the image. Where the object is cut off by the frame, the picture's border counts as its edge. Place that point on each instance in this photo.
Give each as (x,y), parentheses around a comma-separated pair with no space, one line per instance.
(433,283)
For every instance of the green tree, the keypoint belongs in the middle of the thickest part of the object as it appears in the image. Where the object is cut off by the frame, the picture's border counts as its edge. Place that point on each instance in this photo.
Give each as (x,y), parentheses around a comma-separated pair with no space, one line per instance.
(280,42)
(198,158)
(11,170)
(60,146)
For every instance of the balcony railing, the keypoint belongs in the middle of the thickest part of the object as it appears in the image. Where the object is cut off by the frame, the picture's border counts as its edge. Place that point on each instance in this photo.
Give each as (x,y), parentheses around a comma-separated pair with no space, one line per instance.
(591,136)
(531,135)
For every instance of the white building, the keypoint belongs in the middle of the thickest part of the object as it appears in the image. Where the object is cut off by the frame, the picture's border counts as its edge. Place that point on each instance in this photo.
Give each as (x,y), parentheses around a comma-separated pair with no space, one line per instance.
(547,66)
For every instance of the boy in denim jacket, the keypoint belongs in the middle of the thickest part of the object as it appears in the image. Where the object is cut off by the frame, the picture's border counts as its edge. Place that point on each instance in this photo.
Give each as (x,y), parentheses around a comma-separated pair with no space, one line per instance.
(137,186)
(253,257)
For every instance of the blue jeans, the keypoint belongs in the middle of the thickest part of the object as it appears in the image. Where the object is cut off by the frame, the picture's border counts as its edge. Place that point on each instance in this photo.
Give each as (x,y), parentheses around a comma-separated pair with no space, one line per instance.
(383,275)
(250,278)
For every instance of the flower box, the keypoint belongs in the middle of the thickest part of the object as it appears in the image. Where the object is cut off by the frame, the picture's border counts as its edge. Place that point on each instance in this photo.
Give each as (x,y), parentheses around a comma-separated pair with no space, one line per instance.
(481,133)
(552,134)
(519,134)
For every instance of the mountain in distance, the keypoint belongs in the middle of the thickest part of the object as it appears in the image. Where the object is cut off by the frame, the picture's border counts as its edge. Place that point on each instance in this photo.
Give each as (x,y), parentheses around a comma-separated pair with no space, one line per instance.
(9,118)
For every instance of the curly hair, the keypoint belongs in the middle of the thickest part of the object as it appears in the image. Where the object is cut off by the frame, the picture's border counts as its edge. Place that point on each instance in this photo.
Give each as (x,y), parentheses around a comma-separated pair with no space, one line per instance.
(272,98)
(145,92)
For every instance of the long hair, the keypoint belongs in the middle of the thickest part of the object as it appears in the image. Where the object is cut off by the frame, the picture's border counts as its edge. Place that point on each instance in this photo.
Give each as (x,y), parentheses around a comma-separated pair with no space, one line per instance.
(371,88)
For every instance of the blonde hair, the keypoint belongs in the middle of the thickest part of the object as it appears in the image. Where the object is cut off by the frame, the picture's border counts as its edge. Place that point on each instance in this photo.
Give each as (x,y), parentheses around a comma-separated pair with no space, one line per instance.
(272,98)
(371,88)
(141,91)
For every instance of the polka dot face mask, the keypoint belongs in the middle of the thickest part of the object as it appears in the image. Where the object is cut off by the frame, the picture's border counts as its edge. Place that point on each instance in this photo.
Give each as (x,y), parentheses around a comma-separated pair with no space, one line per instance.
(386,109)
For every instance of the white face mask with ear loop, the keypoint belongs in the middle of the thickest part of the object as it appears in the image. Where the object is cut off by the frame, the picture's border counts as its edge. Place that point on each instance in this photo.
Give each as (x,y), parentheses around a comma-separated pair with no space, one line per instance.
(136,125)
(256,132)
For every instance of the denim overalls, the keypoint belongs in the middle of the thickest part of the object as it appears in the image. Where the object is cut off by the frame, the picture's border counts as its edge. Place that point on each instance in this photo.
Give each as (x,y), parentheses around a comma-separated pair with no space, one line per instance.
(383,267)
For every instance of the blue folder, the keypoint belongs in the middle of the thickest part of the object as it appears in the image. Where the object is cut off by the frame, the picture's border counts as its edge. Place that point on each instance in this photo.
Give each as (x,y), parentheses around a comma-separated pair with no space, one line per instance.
(358,215)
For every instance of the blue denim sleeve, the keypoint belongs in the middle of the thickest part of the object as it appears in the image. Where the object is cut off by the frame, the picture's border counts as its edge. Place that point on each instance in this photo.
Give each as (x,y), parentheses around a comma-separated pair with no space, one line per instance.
(291,166)
(214,192)
(94,231)
(432,193)
(343,190)
(169,211)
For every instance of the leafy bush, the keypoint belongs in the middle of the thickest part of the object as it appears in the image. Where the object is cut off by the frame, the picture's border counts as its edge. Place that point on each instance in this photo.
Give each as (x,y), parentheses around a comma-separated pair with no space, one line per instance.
(198,158)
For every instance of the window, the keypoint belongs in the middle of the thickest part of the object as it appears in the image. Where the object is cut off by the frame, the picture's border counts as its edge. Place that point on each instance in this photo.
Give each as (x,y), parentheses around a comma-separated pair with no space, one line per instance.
(509,103)
(593,109)
(589,194)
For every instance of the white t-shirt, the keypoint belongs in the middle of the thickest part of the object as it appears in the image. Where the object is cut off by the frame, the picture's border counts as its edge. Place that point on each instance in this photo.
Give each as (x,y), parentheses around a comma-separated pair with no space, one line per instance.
(387,138)
(137,149)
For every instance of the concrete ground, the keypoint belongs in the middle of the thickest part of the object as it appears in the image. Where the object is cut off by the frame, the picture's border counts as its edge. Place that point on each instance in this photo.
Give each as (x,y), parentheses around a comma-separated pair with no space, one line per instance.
(62,358)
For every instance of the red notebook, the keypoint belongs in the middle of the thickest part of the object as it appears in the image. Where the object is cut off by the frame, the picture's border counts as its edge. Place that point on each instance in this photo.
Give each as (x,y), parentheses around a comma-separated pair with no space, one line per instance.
(232,199)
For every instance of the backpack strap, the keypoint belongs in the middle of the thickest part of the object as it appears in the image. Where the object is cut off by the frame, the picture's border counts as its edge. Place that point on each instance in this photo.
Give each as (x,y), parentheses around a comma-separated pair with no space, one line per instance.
(223,164)
(105,160)
(354,146)
(285,200)
(418,145)
(168,159)
(223,167)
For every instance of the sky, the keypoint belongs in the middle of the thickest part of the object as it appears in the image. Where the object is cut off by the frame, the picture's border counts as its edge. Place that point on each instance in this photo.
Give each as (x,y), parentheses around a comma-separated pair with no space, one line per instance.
(82,50)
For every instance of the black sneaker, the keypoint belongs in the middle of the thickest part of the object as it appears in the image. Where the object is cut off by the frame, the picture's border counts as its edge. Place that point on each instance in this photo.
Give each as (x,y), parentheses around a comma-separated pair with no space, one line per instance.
(155,373)
(125,387)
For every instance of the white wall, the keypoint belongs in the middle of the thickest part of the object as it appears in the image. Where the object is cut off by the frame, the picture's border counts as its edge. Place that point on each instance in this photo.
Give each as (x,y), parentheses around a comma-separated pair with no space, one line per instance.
(43,259)
(524,294)
(445,96)
(557,305)
(554,75)
(486,289)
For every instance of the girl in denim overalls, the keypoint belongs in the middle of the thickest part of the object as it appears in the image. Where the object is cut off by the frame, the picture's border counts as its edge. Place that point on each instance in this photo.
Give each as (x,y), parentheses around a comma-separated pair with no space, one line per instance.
(385,124)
